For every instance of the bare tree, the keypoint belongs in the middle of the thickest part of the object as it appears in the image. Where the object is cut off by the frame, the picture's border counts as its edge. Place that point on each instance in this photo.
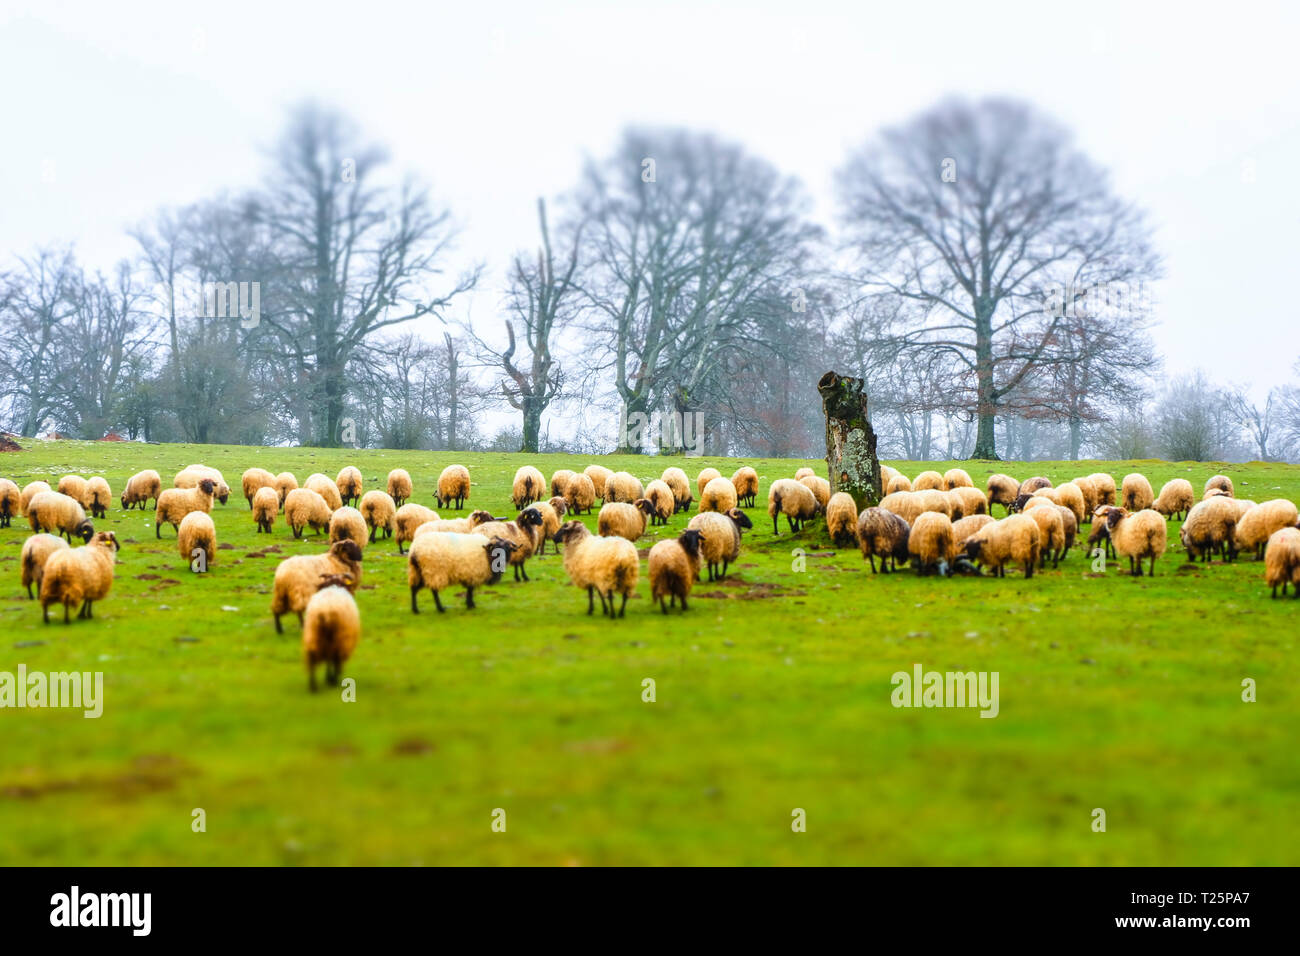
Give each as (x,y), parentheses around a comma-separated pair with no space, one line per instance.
(1259,423)
(40,300)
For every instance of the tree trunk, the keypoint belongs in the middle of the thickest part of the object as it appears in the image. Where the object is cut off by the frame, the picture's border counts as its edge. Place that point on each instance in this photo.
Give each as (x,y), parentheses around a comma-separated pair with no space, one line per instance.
(986,444)
(850,440)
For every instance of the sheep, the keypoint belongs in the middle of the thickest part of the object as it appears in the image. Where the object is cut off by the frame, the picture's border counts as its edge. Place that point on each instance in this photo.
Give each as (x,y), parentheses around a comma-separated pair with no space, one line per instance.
(439,561)
(1257,524)
(522,533)
(620,519)
(661,499)
(603,566)
(1023,502)
(285,482)
(306,507)
(599,474)
(79,575)
(803,472)
(380,513)
(1070,522)
(1137,535)
(1221,482)
(529,486)
(674,566)
(1136,493)
(98,496)
(29,492)
(579,494)
(10,501)
(972,500)
(1211,525)
(409,517)
(1002,490)
(348,524)
(1071,496)
(842,519)
(929,481)
(1100,534)
(1051,534)
(1091,497)
(551,511)
(197,533)
(1105,486)
(1036,500)
(1214,493)
(791,498)
(934,500)
(957,478)
(255,479)
(887,474)
(898,483)
(1015,538)
(266,505)
(296,578)
(36,550)
(331,629)
(74,486)
(718,495)
(560,480)
(708,474)
(142,486)
(453,485)
(746,481)
(963,529)
(350,484)
(399,486)
(930,543)
(1282,561)
(906,504)
(324,486)
(467,525)
(1175,499)
(191,475)
(59,513)
(1242,505)
(1030,485)
(676,479)
(720,541)
(623,487)
(820,487)
(883,534)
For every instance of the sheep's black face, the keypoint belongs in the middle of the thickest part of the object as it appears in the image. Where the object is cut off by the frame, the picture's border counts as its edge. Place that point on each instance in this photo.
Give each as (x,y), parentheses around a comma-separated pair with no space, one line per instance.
(208,486)
(499,551)
(336,581)
(690,540)
(480,517)
(1018,505)
(85,531)
(740,518)
(1114,517)
(530,518)
(347,549)
(972,550)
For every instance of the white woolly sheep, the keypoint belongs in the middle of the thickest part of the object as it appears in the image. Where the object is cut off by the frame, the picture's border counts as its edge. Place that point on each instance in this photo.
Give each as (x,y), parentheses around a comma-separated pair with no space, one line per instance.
(599,474)
(1087,486)
(718,495)
(453,486)
(1106,490)
(620,519)
(746,481)
(898,483)
(79,575)
(908,505)
(10,501)
(972,500)
(1136,493)
(1030,485)
(883,534)
(331,629)
(662,501)
(720,542)
(930,543)
(380,513)
(965,527)
(1282,561)
(29,492)
(1210,526)
(36,550)
(552,513)
(957,478)
(1222,483)
(1070,522)
(197,533)
(266,505)
(604,566)
(929,481)
(708,474)
(529,486)
(1258,523)
(349,484)
(285,482)
(399,486)
(1014,539)
(326,487)
(74,486)
(791,498)
(191,475)
(1051,533)
(1175,499)
(440,561)
(842,519)
(409,517)
(254,479)
(1136,536)
(560,480)
(579,495)
(523,533)
(820,487)
(623,487)
(60,514)
(298,578)
(674,565)
(98,496)
(305,507)
(348,524)
(803,472)
(680,484)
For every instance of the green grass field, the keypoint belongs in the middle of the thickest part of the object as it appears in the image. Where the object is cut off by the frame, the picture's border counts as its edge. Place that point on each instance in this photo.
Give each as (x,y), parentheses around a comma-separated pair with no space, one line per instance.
(773,693)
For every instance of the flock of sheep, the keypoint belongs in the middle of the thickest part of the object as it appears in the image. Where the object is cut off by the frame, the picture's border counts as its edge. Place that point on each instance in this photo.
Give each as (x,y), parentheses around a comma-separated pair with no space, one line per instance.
(940,523)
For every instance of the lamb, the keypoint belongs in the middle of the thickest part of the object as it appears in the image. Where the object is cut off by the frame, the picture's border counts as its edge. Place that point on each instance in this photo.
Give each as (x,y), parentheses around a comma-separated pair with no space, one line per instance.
(929,481)
(142,486)
(1136,536)
(579,494)
(409,517)
(529,486)
(324,486)
(36,551)
(746,481)
(1051,533)
(1282,561)
(348,524)
(898,483)
(1257,524)
(603,566)
(1013,539)
(255,479)
(1221,482)
(972,500)
(661,499)
(551,511)
(306,507)
(29,492)
(453,485)
(804,472)
(191,475)
(883,534)
(930,543)
(285,482)
(331,629)
(439,561)
(676,479)
(10,501)
(623,487)
(1210,526)
(74,486)
(674,566)
(380,512)
(718,495)
(349,484)
(708,474)
(599,474)
(1002,490)
(1105,486)
(1030,485)
(620,519)
(399,486)
(82,575)
(791,498)
(296,578)
(820,487)
(560,480)
(957,478)
(720,541)
(842,519)
(1136,493)
(266,505)
(1175,499)
(197,533)
(963,529)
(98,496)
(59,513)
(522,533)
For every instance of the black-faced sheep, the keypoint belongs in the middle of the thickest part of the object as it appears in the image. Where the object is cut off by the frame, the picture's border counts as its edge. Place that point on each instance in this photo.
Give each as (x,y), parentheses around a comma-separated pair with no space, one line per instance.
(1282,561)
(36,550)
(674,566)
(331,629)
(552,513)
(305,507)
(746,481)
(662,501)
(453,486)
(604,566)
(380,513)
(1175,499)
(1014,539)
(1037,483)
(718,495)
(349,484)
(620,519)
(348,524)
(930,544)
(266,505)
(79,575)
(963,528)
(60,514)
(440,561)
(791,498)
(297,578)
(721,538)
(254,479)
(522,533)
(1259,522)
(191,475)
(1136,536)
(883,534)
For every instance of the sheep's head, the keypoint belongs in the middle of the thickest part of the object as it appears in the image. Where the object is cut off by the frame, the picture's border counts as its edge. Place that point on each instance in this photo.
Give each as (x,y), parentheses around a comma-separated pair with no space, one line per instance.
(530,518)
(337,581)
(644,505)
(85,531)
(741,519)
(1018,505)
(560,505)
(690,540)
(1114,516)
(124,499)
(479,517)
(570,531)
(208,486)
(224,496)
(347,550)
(105,539)
(499,551)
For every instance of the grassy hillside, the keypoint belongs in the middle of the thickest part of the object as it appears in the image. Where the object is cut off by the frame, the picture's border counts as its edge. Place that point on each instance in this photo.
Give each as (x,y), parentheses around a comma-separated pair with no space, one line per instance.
(773,693)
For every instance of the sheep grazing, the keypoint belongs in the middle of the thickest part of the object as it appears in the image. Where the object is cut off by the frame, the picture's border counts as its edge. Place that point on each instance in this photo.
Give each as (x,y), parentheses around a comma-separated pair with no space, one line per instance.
(623,487)
(803,472)
(140,488)
(620,519)
(791,498)
(266,505)
(285,482)
(191,475)
(440,561)
(937,501)
(579,495)
(348,524)
(305,507)
(1222,483)
(60,514)
(255,479)
(972,501)
(1070,495)
(552,513)
(98,496)
(746,481)
(720,541)
(820,487)
(887,474)
(676,479)
(842,519)
(930,544)
(409,517)
(604,566)
(898,483)
(74,486)
(1136,493)
(1175,499)
(964,528)
(1051,533)
(883,534)
(29,492)
(1024,501)
(1087,486)
(1242,505)
(36,550)
(10,501)
(957,478)
(1210,526)
(467,525)
(1030,485)
(529,486)
(350,484)
(674,566)
(331,629)
(79,575)
(1070,523)
(296,578)
(1282,561)
(324,486)
(197,533)
(929,481)
(908,505)
(718,495)
(708,474)
(662,500)
(1002,490)
(399,486)
(1214,493)
(1105,486)
(560,480)
(453,486)
(1136,536)
(1014,539)
(599,474)
(380,513)
(1258,523)
(522,533)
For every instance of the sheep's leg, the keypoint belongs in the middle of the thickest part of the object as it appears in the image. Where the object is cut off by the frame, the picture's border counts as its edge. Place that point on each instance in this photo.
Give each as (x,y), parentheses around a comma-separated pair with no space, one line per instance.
(662,605)
(311,676)
(684,608)
(1152,572)
(523,570)
(30,596)
(776,530)
(157,530)
(790,521)
(591,599)
(469,598)
(872,559)
(611,604)
(45,612)
(66,608)
(415,604)
(725,563)
(279,628)
(437,601)
(372,534)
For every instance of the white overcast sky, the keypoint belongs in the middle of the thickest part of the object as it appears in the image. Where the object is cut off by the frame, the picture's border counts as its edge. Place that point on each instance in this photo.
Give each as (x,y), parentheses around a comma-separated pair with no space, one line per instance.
(112,110)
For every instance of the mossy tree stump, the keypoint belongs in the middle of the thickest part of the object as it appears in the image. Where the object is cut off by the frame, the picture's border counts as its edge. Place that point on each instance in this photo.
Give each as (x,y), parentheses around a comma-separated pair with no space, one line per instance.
(850,440)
